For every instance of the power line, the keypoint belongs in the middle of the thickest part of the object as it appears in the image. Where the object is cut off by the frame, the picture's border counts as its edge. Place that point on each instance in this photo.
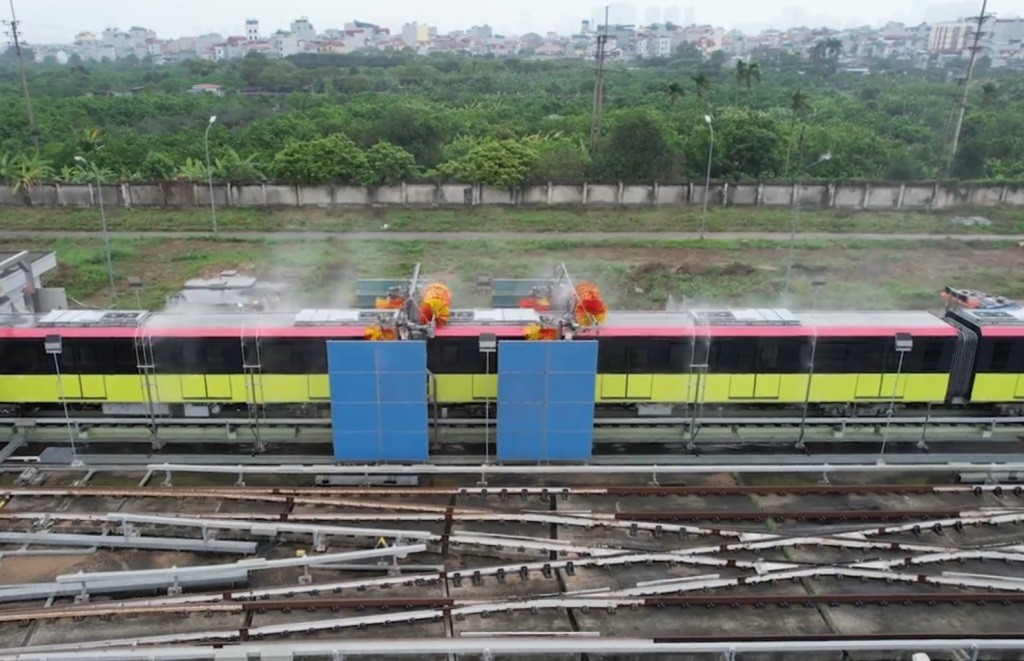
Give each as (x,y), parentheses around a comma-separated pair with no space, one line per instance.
(13,23)
(965,88)
(598,112)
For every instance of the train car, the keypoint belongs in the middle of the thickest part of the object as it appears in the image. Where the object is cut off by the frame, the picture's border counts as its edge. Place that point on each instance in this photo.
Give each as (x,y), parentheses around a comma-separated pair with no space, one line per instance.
(991,361)
(138,363)
(772,358)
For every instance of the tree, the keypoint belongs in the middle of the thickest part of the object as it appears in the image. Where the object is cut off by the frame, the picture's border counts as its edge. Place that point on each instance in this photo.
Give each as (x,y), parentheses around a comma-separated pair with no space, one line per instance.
(797,104)
(158,166)
(232,168)
(675,91)
(742,75)
(23,173)
(748,144)
(387,164)
(637,148)
(501,163)
(703,84)
(562,160)
(332,159)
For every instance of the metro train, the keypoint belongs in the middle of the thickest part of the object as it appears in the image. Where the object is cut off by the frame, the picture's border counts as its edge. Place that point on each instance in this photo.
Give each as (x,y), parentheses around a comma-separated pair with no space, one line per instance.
(134,363)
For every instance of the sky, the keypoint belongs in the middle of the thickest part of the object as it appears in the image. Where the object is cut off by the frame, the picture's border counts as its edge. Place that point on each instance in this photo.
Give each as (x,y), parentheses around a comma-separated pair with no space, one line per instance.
(57,21)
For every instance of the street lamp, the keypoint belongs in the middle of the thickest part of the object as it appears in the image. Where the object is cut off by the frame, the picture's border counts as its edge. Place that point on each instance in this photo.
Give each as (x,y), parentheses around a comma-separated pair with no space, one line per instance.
(904,344)
(818,283)
(827,156)
(710,121)
(103,220)
(54,345)
(209,170)
(488,346)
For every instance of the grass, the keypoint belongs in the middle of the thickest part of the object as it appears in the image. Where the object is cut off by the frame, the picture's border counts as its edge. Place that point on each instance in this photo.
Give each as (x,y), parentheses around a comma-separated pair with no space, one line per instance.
(491,219)
(633,274)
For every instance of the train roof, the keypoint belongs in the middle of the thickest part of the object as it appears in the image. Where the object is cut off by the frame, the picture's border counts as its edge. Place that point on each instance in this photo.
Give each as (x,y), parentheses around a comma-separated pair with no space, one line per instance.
(503,322)
(1004,321)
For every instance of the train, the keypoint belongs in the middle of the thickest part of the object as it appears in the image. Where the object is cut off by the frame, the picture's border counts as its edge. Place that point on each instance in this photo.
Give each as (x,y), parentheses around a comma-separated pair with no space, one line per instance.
(138,363)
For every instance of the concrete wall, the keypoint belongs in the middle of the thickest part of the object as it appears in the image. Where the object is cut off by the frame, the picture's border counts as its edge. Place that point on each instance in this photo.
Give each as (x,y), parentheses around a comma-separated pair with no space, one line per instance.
(874,196)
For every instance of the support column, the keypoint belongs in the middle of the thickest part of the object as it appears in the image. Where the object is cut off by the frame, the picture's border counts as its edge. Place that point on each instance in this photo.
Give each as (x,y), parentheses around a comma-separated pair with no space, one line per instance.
(867,197)
(899,200)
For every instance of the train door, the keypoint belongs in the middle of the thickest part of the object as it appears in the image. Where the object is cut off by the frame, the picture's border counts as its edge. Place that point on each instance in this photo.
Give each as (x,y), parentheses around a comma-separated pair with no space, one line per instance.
(640,381)
(740,357)
(869,386)
(769,380)
(1019,391)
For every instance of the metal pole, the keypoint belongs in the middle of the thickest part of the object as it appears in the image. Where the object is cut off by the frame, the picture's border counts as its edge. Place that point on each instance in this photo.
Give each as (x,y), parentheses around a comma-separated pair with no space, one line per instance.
(794,220)
(487,408)
(707,180)
(209,172)
(106,236)
(892,404)
(67,416)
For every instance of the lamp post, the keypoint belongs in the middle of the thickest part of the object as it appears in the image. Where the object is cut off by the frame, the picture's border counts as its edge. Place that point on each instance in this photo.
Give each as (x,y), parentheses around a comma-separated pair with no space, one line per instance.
(54,345)
(710,121)
(818,283)
(795,220)
(488,346)
(103,221)
(904,344)
(135,284)
(209,170)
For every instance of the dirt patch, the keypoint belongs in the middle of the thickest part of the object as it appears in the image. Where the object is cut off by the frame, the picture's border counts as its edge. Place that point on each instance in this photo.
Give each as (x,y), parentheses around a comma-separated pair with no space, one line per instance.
(39,568)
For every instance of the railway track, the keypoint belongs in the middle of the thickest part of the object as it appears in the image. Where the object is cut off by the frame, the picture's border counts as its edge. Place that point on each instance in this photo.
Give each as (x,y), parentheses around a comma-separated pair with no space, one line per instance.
(520,556)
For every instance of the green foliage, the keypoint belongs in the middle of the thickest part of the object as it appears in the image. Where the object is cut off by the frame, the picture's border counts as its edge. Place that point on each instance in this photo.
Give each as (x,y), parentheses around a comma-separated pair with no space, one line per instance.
(133,119)
(232,168)
(23,172)
(333,159)
(560,160)
(501,163)
(387,164)
(638,147)
(158,166)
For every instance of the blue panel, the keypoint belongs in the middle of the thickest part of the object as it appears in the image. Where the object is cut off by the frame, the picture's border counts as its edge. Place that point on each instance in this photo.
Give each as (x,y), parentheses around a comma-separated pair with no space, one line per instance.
(546,400)
(378,400)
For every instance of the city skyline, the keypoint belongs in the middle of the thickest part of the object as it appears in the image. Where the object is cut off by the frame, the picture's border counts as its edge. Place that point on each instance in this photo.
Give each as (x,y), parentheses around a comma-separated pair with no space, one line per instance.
(56,21)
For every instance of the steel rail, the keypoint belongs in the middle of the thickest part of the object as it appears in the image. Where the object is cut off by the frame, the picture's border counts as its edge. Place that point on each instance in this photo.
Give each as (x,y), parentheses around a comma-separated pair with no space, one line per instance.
(612,520)
(336,604)
(812,465)
(707,421)
(539,645)
(508,491)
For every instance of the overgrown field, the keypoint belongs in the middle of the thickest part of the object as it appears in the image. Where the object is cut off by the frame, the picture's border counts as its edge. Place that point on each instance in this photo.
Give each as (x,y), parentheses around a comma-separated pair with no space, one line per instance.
(734,219)
(633,274)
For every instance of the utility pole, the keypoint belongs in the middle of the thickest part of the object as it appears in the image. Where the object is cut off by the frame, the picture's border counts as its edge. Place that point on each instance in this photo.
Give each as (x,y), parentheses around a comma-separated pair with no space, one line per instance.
(13,23)
(961,102)
(597,115)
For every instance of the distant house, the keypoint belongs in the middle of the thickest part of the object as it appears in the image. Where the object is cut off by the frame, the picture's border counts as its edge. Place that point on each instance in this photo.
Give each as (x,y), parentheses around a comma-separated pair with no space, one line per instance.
(206,88)
(549,50)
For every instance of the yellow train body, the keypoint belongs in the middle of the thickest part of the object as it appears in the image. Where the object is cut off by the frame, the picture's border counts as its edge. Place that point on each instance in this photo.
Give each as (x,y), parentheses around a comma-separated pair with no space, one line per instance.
(467,388)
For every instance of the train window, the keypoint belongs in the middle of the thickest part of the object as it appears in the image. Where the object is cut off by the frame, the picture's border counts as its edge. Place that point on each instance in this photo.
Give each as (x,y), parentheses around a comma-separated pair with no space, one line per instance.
(640,360)
(734,356)
(1001,352)
(24,357)
(678,357)
(111,356)
(768,360)
(933,355)
(832,356)
(449,357)
(611,357)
